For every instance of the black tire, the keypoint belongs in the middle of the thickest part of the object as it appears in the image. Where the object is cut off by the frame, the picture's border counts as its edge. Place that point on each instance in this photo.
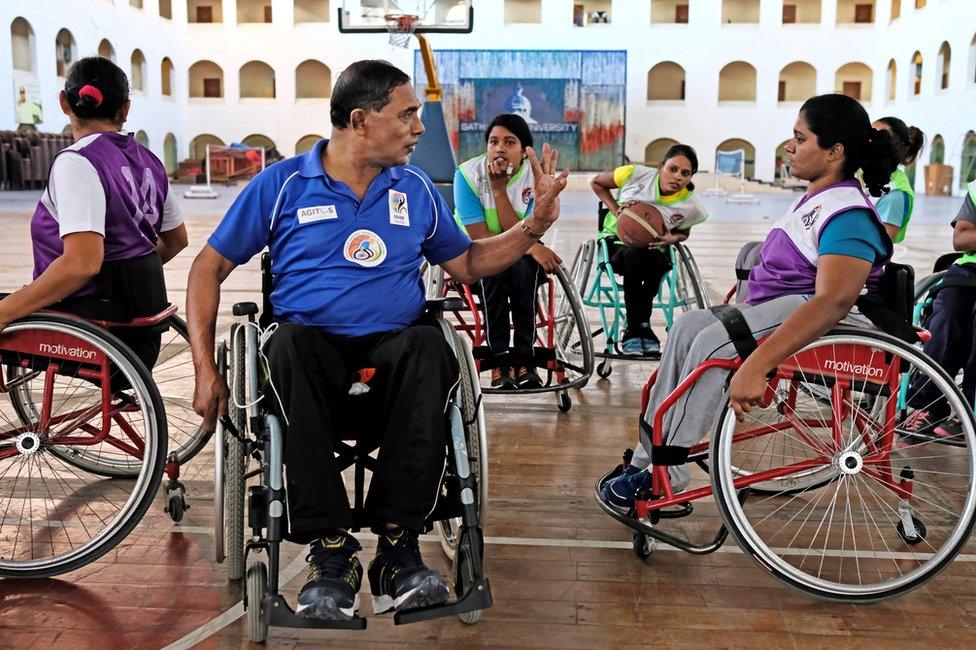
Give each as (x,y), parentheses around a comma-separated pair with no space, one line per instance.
(146,397)
(642,546)
(694,278)
(234,491)
(257,587)
(604,369)
(564,402)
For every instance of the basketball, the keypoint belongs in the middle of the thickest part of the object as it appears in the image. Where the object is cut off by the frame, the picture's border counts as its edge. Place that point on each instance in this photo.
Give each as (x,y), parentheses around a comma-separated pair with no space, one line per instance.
(640,224)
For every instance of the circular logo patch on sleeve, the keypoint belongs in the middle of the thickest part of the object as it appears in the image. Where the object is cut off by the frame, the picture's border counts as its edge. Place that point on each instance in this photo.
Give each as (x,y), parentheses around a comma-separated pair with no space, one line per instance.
(365,248)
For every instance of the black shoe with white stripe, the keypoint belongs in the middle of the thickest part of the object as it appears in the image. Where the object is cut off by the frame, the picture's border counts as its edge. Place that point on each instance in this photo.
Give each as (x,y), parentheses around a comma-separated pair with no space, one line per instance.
(398,577)
(334,578)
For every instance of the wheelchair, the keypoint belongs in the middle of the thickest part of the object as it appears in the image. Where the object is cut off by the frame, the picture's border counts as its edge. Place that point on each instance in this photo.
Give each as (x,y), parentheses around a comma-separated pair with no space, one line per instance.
(250,446)
(563,343)
(682,289)
(816,486)
(83,440)
(926,291)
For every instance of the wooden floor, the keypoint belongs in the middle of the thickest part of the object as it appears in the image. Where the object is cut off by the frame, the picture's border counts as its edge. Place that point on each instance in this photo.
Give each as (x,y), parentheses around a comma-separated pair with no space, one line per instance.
(562,572)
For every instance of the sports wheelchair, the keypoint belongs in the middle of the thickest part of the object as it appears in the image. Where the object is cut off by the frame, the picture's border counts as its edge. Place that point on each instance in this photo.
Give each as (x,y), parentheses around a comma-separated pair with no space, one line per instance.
(250,446)
(563,344)
(817,486)
(83,436)
(683,288)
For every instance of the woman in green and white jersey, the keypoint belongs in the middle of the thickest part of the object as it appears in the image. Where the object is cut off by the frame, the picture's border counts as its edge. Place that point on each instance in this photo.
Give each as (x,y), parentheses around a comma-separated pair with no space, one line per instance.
(492,193)
(895,207)
(668,186)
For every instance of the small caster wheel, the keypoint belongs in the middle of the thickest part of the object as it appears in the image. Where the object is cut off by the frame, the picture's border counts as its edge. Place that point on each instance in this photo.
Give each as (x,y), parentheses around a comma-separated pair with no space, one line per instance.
(176,507)
(919,531)
(604,369)
(564,402)
(257,587)
(643,546)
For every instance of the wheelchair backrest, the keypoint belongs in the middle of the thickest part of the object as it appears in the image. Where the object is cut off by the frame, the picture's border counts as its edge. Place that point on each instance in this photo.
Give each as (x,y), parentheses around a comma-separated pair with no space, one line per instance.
(601,215)
(945,261)
(748,257)
(898,289)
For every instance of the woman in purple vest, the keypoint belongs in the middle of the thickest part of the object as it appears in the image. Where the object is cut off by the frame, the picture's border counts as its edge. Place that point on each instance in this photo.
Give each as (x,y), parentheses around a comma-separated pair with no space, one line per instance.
(106,222)
(813,266)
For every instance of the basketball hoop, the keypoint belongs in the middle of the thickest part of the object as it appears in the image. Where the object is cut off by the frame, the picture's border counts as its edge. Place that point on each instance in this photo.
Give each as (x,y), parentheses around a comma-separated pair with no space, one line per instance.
(401,28)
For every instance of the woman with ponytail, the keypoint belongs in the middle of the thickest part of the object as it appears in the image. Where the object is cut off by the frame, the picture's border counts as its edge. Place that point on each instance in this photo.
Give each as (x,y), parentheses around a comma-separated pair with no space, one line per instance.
(106,222)
(813,266)
(895,206)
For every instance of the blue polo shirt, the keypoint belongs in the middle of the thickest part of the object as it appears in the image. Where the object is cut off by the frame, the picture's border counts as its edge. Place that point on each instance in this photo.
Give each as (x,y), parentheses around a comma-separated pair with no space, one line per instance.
(342,265)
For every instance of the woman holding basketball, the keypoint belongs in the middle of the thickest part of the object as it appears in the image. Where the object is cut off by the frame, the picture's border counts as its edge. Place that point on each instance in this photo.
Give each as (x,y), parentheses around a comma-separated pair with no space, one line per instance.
(668,187)
(492,193)
(814,264)
(895,206)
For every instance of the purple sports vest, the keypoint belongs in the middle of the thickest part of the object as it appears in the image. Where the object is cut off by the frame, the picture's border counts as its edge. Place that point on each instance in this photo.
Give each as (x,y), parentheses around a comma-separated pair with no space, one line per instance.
(135,186)
(788,257)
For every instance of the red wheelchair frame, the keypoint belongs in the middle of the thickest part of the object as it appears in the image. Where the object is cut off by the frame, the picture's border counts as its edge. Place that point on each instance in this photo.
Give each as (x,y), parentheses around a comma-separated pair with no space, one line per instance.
(801,364)
(92,365)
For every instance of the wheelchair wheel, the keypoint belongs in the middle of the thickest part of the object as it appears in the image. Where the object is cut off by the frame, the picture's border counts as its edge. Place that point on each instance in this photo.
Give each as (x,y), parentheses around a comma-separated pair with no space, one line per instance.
(173,378)
(692,285)
(96,395)
(924,296)
(582,266)
(573,343)
(477,443)
(845,537)
(257,587)
(234,488)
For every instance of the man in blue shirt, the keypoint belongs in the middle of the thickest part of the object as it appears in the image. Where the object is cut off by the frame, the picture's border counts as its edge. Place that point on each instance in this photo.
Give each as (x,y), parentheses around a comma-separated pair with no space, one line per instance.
(347,226)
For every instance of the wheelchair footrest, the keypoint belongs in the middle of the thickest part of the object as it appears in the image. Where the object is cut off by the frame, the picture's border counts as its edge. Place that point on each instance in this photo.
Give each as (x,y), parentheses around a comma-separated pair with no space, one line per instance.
(477,597)
(279,614)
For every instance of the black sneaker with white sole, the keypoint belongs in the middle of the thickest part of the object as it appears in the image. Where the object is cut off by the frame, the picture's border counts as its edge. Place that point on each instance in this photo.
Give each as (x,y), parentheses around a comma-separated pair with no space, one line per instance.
(398,577)
(334,578)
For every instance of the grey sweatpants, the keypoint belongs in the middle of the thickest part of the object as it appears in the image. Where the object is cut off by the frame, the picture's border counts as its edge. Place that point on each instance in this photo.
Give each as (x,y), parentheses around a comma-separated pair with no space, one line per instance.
(696,337)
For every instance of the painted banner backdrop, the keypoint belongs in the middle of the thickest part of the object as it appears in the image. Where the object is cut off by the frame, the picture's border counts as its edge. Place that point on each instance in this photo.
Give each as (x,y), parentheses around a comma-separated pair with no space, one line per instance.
(572,99)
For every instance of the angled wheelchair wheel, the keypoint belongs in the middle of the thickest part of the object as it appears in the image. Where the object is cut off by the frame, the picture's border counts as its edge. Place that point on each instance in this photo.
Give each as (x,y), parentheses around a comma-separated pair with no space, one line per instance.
(236,460)
(883,513)
(472,411)
(173,378)
(683,289)
(93,394)
(572,341)
(582,266)
(924,295)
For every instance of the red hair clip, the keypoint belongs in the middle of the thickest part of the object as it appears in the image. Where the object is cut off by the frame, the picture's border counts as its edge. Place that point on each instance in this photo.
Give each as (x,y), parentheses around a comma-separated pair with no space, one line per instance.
(93,92)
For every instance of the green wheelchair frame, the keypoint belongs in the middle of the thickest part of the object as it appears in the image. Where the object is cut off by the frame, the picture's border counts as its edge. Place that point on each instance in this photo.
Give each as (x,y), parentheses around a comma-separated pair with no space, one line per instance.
(681,289)
(925,292)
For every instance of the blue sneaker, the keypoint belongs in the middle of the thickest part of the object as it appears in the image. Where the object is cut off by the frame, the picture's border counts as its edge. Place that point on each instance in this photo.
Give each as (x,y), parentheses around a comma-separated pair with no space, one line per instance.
(651,346)
(632,346)
(620,491)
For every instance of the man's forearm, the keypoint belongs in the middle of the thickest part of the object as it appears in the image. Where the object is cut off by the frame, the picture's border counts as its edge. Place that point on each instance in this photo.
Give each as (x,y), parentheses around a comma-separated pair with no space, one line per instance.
(202,301)
(495,254)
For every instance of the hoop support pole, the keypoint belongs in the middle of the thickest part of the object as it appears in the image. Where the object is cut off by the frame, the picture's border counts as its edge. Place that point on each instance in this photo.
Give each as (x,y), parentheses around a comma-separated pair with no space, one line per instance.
(433,90)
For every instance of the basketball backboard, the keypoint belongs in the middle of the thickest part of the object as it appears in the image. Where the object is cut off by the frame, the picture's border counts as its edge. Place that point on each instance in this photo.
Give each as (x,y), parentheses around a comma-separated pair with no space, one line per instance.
(434,16)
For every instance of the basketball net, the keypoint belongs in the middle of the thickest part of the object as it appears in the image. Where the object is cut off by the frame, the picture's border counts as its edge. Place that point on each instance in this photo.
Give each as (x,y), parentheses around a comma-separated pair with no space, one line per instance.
(401,28)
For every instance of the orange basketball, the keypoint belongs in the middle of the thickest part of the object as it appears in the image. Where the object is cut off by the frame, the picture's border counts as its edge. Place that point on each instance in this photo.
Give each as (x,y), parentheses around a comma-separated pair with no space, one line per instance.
(640,224)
